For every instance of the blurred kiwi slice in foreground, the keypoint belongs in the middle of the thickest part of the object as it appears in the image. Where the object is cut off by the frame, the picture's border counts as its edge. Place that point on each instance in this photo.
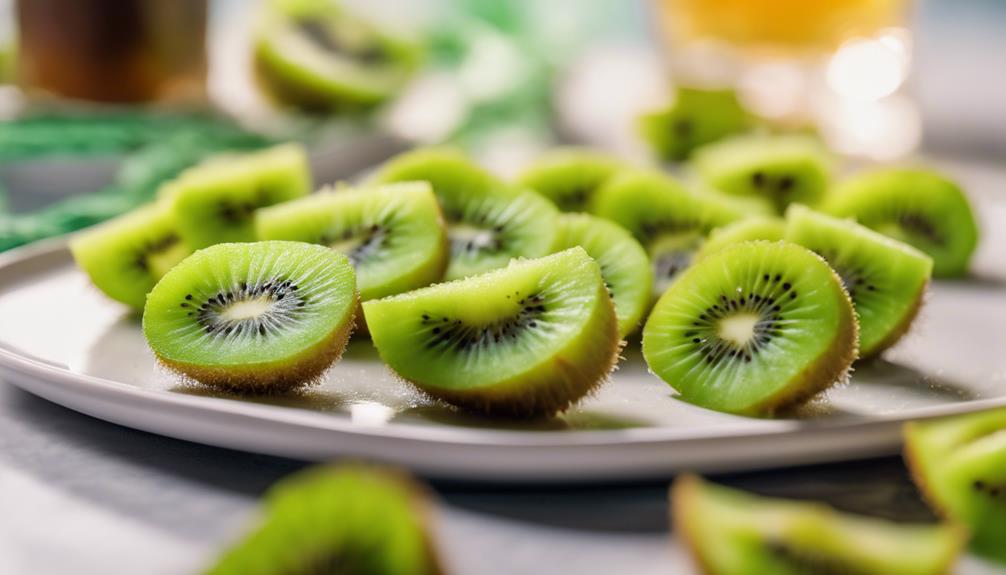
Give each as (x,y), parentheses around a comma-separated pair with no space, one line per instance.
(959,464)
(730,532)
(346,520)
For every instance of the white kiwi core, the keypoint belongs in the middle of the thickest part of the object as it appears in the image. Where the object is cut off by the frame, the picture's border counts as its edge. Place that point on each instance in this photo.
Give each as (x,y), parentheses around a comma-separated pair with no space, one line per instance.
(738,329)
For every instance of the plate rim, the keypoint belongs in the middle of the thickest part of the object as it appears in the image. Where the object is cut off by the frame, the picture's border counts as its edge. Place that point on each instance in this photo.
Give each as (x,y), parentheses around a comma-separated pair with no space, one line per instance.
(16,365)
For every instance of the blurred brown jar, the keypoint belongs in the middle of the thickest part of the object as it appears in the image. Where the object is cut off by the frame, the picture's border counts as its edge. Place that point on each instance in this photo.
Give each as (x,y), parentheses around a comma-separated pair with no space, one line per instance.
(114,51)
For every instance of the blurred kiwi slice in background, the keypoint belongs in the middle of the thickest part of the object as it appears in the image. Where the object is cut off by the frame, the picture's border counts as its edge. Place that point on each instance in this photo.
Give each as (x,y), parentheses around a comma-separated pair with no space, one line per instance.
(488,221)
(918,206)
(317,56)
(125,257)
(569,176)
(695,118)
(216,201)
(782,169)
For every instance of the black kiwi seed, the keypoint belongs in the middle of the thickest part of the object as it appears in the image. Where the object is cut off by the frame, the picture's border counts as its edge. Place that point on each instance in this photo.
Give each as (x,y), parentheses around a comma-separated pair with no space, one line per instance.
(758,179)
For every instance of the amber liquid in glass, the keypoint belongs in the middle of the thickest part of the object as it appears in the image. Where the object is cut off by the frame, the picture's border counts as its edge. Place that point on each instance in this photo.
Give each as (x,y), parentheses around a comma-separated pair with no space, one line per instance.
(777,25)
(113,51)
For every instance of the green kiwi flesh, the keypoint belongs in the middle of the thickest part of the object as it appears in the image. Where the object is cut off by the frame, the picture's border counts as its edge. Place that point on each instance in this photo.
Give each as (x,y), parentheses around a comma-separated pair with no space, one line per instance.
(753,328)
(316,56)
(782,169)
(754,228)
(729,532)
(125,257)
(253,317)
(959,463)
(488,221)
(917,206)
(523,341)
(216,201)
(351,519)
(623,262)
(394,235)
(696,117)
(670,221)
(886,279)
(569,177)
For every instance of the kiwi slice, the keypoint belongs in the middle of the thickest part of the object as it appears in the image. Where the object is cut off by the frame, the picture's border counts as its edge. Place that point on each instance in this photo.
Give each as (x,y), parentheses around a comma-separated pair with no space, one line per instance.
(624,264)
(917,206)
(730,532)
(569,177)
(754,327)
(216,201)
(488,222)
(959,463)
(524,341)
(394,235)
(783,169)
(352,519)
(669,220)
(314,55)
(126,256)
(885,278)
(253,317)
(754,228)
(696,117)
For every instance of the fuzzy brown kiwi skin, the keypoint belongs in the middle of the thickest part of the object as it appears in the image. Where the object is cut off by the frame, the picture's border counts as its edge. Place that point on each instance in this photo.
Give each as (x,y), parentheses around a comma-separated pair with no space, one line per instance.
(682,494)
(257,380)
(902,328)
(547,398)
(827,369)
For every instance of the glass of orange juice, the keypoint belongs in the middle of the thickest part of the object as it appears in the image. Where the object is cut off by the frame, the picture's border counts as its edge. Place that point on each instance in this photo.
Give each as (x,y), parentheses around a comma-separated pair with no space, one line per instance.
(838,65)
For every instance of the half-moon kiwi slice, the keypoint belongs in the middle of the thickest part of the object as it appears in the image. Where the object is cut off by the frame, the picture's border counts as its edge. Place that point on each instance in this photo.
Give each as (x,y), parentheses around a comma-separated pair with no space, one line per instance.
(917,206)
(730,532)
(488,222)
(624,264)
(394,235)
(524,341)
(126,256)
(885,278)
(753,328)
(782,169)
(351,520)
(254,317)
(314,55)
(569,177)
(695,118)
(959,463)
(215,202)
(669,221)
(754,228)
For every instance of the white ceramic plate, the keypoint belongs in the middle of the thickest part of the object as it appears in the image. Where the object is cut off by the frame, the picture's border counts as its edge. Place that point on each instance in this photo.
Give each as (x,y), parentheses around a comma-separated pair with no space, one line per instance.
(62,340)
